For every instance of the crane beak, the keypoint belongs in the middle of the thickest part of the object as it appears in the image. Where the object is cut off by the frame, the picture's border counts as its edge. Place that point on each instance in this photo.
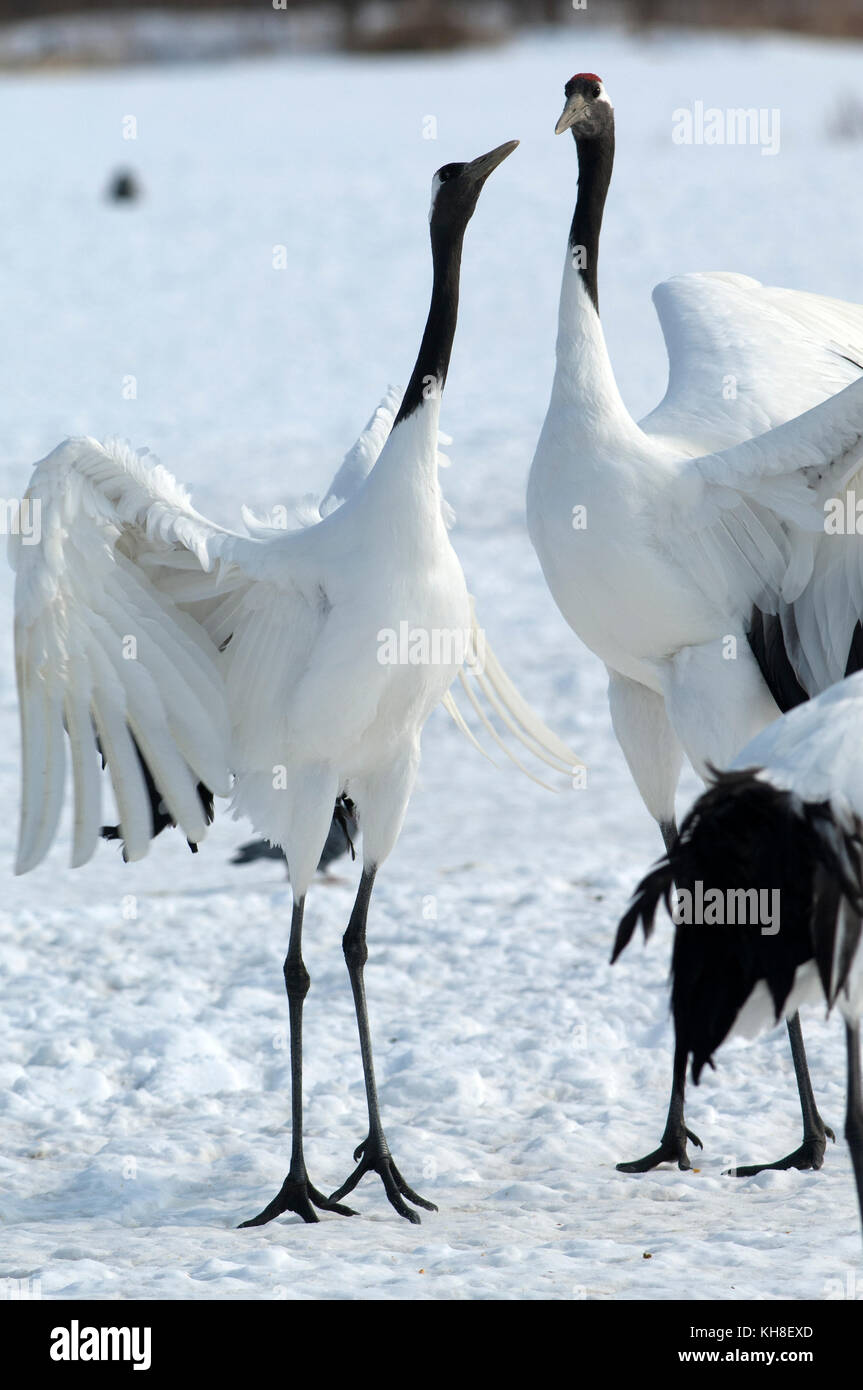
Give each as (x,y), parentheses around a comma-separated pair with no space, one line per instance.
(570,113)
(481,168)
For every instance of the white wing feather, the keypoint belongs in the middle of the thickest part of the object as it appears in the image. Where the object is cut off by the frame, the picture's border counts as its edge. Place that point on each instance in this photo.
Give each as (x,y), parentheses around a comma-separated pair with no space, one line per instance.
(102,650)
(120,610)
(745,357)
(359,461)
(816,749)
(748,525)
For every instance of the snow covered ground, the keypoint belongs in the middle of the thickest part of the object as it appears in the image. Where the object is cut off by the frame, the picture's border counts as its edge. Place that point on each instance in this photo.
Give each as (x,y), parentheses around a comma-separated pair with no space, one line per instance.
(143,1067)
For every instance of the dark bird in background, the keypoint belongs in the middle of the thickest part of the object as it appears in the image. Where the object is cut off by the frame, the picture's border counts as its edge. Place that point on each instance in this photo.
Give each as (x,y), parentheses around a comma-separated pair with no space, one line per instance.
(775,846)
(123,187)
(340,840)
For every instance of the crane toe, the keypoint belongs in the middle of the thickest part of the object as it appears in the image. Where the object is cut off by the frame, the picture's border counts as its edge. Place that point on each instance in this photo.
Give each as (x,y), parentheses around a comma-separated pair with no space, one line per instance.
(672,1149)
(810,1155)
(375,1157)
(299,1196)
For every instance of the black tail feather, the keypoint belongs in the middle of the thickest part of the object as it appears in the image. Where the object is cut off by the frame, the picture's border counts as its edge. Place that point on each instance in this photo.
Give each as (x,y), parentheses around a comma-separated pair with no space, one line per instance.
(655,886)
(160,816)
(744,834)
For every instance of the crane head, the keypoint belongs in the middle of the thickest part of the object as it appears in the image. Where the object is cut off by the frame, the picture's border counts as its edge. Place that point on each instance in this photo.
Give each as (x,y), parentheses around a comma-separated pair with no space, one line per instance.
(456,187)
(588,111)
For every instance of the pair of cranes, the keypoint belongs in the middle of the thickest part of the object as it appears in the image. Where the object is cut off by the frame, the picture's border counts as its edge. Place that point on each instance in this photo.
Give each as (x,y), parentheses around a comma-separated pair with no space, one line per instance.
(703,541)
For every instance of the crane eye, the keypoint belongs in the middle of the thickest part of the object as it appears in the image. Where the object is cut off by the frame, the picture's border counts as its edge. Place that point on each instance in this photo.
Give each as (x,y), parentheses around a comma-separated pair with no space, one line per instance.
(596,91)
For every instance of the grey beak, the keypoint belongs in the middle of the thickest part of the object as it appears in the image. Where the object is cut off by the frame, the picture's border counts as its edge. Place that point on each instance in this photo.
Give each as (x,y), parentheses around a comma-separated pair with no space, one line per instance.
(481,168)
(570,113)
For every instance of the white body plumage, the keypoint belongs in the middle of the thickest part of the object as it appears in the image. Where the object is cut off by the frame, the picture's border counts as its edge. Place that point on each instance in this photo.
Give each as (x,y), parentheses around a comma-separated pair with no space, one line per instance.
(676,544)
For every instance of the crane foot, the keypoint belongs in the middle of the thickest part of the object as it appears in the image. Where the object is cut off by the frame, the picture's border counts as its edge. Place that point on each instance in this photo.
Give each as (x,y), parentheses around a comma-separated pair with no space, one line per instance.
(374,1156)
(672,1149)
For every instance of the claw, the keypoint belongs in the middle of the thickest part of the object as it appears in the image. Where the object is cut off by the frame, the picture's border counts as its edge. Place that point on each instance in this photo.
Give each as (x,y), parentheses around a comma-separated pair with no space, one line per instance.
(672,1149)
(810,1155)
(299,1196)
(377,1158)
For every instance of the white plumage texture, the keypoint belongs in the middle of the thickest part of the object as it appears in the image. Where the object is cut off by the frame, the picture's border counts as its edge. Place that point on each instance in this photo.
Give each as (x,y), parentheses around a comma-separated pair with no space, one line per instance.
(815,751)
(96,638)
(254,657)
(714,504)
(721,329)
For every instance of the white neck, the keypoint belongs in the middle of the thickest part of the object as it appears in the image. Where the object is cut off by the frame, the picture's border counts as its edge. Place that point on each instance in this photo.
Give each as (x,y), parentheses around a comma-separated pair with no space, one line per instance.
(405,476)
(583,375)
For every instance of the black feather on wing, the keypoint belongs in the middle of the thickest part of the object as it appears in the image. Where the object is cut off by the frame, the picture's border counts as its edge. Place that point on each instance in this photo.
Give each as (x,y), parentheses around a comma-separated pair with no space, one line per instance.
(159,814)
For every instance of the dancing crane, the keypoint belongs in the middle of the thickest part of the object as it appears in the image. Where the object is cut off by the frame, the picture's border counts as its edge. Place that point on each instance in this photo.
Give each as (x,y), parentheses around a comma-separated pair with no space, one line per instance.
(690,552)
(163,640)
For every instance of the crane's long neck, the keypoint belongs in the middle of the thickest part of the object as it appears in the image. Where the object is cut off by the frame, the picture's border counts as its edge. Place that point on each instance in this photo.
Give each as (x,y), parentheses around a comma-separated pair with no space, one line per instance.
(595,161)
(584,375)
(429,374)
(404,481)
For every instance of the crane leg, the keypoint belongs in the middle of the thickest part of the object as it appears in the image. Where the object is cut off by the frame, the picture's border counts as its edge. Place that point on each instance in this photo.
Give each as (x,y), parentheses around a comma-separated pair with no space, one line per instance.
(373,1154)
(854,1111)
(815,1133)
(297,1194)
(672,1145)
(669,834)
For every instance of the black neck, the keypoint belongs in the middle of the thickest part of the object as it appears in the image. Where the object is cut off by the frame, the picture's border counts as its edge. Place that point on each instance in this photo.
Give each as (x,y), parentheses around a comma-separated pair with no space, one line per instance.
(595,160)
(436,346)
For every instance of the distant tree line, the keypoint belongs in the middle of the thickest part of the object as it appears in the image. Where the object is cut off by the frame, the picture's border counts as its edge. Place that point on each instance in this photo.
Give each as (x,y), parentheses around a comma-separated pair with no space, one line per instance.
(813,16)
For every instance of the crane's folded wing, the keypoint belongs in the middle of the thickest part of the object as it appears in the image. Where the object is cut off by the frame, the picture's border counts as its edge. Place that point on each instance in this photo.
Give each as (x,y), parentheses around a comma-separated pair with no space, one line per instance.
(748,525)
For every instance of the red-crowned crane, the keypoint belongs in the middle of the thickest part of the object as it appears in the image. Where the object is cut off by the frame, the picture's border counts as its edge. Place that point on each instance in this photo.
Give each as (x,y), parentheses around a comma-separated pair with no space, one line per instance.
(257,658)
(689,551)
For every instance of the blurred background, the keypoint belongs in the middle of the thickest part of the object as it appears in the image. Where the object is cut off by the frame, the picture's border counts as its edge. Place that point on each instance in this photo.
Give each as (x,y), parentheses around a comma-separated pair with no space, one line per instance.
(52,31)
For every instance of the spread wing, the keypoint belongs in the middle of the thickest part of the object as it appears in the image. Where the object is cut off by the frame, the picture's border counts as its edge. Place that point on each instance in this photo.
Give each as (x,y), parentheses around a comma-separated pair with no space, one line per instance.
(745,357)
(122,608)
(107,647)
